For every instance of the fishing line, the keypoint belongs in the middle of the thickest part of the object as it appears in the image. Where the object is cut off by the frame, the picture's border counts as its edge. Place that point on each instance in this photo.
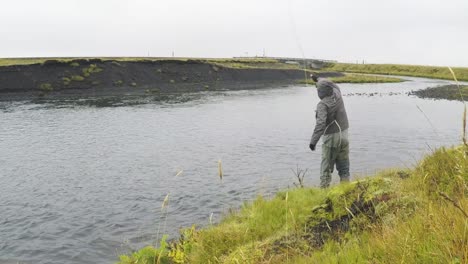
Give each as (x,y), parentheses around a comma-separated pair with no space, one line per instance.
(292,23)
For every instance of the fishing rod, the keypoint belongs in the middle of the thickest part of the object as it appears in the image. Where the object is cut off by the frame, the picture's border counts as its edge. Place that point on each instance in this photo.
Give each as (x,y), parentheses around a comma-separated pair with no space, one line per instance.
(297,40)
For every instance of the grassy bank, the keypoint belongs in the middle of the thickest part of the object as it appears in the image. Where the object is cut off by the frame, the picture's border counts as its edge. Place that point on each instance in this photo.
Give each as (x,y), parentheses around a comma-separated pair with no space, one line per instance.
(449,92)
(358,78)
(402,70)
(239,63)
(410,216)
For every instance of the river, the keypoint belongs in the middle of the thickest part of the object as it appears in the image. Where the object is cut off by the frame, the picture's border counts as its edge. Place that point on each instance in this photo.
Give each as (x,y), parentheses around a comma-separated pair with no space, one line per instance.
(82,183)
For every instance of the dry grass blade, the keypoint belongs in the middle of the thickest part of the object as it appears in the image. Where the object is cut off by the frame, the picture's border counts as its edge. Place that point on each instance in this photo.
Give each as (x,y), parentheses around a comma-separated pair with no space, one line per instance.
(220,169)
(211,219)
(464,127)
(179,172)
(456,204)
(165,202)
(300,174)
(464,103)
(428,120)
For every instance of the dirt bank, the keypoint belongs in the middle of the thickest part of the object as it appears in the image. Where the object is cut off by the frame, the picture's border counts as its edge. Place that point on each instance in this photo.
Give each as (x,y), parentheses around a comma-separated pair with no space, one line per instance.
(96,77)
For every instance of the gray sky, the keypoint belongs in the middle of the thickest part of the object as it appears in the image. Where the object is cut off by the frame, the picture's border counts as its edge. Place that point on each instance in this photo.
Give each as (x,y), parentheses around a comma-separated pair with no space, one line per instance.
(431,32)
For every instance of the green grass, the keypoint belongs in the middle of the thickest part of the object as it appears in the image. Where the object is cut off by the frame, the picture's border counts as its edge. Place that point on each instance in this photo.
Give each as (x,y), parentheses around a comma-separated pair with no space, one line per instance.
(91,69)
(411,216)
(238,63)
(118,83)
(77,78)
(402,70)
(255,64)
(46,87)
(359,78)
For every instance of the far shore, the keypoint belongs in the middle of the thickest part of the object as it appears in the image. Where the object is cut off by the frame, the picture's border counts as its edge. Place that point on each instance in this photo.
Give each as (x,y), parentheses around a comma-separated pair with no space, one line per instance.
(51,78)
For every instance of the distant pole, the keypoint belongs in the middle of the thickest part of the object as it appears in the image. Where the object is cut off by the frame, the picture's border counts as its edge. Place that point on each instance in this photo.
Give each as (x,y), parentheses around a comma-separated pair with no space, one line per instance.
(264,54)
(172,53)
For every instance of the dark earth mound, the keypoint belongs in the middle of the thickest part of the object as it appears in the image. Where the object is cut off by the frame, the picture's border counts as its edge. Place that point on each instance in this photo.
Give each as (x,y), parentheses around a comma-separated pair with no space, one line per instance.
(96,77)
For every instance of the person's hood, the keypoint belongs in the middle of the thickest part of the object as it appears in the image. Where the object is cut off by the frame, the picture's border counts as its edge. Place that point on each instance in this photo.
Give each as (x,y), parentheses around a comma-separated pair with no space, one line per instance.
(324,88)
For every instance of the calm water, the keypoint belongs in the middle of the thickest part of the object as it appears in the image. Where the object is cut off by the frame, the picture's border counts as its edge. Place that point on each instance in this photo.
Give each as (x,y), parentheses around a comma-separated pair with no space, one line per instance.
(83,184)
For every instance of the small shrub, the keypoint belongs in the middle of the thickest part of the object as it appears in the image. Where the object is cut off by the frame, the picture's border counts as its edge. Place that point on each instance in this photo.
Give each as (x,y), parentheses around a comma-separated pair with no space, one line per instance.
(47,87)
(66,80)
(77,78)
(93,68)
(133,84)
(149,255)
(75,64)
(118,83)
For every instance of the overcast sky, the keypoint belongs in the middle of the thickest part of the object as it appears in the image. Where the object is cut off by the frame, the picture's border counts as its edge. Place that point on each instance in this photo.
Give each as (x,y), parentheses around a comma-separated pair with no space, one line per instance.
(431,32)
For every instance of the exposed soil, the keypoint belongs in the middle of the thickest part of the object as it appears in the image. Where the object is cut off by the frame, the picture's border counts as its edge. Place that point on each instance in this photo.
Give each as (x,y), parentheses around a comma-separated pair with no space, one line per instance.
(96,77)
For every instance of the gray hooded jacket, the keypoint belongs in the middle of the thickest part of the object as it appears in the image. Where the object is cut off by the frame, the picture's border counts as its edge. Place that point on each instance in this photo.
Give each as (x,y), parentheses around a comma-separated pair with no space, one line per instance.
(330,108)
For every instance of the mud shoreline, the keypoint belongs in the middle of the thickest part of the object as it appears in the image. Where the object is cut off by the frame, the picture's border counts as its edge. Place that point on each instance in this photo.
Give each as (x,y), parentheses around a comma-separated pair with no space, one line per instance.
(95,77)
(447,92)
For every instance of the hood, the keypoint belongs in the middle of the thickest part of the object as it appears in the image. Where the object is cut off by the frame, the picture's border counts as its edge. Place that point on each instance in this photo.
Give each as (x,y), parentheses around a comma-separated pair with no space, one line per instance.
(324,89)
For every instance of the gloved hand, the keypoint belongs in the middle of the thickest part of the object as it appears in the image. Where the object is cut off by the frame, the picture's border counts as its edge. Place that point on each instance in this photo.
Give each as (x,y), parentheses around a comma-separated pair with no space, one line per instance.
(312,147)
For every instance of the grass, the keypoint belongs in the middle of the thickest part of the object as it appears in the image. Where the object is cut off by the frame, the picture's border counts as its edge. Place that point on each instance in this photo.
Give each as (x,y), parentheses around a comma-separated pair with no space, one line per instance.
(46,87)
(238,63)
(359,78)
(393,217)
(118,83)
(77,78)
(402,70)
(91,69)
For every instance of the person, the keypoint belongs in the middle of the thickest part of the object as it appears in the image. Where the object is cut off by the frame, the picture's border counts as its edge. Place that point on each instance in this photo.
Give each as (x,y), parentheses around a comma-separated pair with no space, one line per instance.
(332,124)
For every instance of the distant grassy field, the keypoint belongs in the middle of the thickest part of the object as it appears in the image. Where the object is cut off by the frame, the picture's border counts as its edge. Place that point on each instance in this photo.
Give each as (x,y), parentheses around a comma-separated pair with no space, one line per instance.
(402,70)
(359,78)
(240,63)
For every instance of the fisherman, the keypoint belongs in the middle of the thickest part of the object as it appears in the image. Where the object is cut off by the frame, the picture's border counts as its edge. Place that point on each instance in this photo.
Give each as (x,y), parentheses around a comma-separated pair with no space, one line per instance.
(332,124)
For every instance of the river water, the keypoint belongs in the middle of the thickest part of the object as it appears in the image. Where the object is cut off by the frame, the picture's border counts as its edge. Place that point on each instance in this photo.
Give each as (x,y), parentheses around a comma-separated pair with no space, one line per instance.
(82,183)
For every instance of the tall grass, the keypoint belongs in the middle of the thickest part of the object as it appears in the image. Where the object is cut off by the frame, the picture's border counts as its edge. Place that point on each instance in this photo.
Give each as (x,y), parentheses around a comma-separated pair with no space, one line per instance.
(464,107)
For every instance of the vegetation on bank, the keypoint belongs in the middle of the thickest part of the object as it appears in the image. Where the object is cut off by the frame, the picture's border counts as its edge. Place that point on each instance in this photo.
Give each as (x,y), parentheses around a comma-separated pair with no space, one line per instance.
(358,78)
(226,62)
(449,92)
(402,70)
(399,216)
(268,63)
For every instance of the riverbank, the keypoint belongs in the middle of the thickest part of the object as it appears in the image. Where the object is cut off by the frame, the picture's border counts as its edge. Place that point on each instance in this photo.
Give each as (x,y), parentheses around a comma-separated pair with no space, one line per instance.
(448,92)
(410,216)
(52,78)
(58,78)
(434,72)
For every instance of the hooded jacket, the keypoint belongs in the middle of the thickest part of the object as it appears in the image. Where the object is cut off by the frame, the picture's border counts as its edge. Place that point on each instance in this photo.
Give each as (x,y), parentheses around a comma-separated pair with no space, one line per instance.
(330,109)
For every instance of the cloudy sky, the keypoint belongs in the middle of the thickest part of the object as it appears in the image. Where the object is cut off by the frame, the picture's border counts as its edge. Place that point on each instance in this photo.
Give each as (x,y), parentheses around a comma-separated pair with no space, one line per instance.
(431,32)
